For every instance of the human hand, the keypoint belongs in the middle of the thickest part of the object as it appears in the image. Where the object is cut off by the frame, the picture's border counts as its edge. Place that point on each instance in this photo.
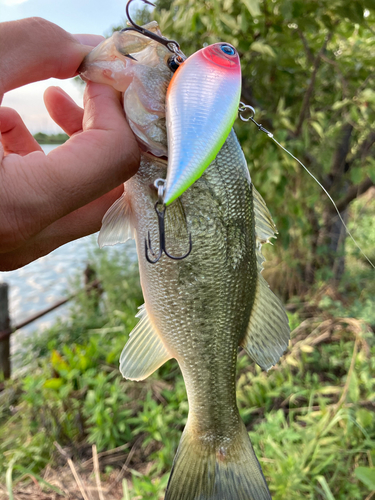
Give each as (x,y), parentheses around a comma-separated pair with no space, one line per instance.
(48,200)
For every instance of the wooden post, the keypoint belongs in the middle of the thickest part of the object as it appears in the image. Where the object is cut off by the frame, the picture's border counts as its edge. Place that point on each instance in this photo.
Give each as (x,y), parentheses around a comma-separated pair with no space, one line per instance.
(93,286)
(4,326)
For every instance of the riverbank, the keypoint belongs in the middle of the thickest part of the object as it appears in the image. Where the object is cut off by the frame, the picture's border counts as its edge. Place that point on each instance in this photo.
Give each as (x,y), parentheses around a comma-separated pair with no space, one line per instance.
(42,138)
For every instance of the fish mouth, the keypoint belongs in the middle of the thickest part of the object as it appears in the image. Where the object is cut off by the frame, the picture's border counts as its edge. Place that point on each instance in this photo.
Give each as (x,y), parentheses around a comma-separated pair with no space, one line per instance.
(160,158)
(106,64)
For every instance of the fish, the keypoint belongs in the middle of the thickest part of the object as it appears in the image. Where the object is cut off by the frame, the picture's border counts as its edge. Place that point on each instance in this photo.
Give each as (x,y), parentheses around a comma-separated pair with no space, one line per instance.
(202,308)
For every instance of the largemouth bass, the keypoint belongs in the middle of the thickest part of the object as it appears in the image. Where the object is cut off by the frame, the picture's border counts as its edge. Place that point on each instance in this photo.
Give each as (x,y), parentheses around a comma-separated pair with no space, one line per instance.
(200,309)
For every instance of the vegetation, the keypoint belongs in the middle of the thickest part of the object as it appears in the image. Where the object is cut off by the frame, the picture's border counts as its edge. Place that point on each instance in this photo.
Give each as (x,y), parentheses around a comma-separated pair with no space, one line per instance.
(308,69)
(51,139)
(310,418)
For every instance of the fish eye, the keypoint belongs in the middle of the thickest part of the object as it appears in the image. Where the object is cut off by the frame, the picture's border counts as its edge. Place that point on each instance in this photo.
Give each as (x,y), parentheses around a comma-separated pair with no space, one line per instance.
(173,64)
(227,49)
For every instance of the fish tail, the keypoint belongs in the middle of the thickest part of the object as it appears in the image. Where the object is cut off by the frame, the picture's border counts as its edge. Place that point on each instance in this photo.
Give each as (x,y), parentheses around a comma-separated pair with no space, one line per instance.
(203,471)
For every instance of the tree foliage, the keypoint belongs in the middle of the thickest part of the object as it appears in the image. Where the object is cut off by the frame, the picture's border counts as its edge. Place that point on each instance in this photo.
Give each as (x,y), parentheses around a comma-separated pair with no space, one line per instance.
(309,71)
(43,138)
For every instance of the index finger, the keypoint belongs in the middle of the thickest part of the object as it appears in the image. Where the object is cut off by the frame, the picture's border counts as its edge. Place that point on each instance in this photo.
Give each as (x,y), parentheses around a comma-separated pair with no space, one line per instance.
(89,40)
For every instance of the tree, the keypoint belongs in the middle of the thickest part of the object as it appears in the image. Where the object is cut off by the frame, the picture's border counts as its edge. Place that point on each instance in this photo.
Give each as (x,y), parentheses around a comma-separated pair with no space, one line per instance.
(308,70)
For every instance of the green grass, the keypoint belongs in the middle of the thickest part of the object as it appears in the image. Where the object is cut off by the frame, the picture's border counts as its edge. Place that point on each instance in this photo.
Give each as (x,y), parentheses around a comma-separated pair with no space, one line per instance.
(310,419)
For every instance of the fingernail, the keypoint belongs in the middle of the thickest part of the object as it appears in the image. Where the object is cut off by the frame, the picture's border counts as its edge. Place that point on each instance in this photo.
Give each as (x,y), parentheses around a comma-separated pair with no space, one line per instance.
(90,40)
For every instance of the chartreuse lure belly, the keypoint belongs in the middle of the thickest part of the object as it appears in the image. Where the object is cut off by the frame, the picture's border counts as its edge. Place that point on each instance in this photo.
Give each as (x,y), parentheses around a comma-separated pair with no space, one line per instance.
(201,105)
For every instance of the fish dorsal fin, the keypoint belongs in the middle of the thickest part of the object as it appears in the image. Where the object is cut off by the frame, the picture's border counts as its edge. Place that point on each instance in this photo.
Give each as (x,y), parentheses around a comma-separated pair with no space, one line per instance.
(144,352)
(116,224)
(264,226)
(268,331)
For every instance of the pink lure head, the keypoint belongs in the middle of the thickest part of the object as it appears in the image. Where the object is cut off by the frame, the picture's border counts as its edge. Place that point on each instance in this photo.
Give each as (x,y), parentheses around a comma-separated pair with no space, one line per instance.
(224,55)
(201,105)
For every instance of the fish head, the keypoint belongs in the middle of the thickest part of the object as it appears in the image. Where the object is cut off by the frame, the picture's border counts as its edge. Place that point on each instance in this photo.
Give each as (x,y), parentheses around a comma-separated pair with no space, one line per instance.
(138,67)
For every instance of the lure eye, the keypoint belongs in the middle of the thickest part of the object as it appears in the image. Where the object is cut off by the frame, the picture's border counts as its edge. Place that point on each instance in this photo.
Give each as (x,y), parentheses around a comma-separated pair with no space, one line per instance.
(227,49)
(173,64)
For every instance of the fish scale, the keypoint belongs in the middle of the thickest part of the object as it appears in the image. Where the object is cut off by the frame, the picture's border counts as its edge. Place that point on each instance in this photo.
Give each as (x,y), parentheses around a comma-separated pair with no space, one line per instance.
(200,309)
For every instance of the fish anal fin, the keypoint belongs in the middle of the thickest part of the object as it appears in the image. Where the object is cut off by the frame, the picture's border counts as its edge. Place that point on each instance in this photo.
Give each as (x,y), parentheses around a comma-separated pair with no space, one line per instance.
(268,331)
(144,352)
(116,224)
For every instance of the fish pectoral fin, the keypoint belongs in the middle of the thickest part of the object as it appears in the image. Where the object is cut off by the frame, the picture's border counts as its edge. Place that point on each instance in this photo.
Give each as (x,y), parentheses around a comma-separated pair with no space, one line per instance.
(264,226)
(268,331)
(116,224)
(144,352)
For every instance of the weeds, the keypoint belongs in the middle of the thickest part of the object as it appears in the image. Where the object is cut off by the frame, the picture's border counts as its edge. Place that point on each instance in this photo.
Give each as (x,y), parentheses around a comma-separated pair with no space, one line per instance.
(310,418)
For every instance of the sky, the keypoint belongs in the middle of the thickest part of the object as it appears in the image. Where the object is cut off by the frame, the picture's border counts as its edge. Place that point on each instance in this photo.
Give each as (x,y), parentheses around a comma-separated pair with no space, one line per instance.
(75,16)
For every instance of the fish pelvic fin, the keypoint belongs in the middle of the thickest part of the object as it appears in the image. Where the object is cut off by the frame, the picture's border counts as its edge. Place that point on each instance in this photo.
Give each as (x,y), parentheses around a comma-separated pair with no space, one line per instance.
(203,471)
(267,334)
(144,352)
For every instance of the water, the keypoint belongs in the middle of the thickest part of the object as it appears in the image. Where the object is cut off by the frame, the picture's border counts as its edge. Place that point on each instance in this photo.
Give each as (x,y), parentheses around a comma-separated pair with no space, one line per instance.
(44,281)
(41,283)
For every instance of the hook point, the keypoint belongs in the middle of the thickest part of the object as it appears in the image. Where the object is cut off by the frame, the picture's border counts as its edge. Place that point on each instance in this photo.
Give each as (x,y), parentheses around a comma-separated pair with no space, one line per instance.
(130,57)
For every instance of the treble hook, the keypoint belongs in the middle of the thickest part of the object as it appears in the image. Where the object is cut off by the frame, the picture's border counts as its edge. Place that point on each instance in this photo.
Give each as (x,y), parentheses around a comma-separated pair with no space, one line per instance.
(171,45)
(148,246)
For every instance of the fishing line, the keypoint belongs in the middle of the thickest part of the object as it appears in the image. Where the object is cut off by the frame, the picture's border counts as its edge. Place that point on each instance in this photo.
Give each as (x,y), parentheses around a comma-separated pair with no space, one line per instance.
(245,107)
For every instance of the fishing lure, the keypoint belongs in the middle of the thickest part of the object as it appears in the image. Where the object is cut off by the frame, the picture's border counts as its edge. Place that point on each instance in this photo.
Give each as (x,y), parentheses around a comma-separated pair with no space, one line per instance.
(201,106)
(206,84)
